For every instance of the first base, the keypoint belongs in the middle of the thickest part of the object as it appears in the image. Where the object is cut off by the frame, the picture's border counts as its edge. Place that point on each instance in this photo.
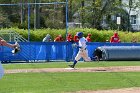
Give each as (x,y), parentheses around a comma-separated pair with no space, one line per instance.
(70,68)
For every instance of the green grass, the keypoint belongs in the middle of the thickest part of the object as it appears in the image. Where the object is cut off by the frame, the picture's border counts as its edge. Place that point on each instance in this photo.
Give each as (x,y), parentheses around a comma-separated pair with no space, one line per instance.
(65,64)
(61,82)
(66,82)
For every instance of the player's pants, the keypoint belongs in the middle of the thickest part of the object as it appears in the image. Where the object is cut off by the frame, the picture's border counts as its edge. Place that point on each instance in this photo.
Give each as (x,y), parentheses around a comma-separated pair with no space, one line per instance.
(82,53)
(1,71)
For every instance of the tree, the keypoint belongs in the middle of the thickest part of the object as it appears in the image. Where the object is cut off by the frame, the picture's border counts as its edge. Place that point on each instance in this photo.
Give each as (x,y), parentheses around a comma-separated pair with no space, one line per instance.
(37,15)
(131,5)
(97,11)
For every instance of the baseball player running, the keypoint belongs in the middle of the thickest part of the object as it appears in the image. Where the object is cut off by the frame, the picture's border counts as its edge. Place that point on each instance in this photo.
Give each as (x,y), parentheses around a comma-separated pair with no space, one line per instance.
(83,52)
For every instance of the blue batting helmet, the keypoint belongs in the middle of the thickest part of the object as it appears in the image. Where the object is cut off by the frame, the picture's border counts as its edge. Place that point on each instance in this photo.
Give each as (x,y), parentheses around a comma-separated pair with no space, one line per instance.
(79,34)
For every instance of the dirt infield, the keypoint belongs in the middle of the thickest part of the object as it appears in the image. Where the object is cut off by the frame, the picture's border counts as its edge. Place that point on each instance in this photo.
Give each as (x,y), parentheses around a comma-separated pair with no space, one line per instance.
(95,69)
(124,90)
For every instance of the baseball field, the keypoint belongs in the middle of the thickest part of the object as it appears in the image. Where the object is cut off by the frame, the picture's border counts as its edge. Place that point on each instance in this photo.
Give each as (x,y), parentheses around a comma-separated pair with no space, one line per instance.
(87,77)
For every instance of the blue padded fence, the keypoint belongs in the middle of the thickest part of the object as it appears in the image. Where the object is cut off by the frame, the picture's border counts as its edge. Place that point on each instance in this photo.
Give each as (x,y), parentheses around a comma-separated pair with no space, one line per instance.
(51,51)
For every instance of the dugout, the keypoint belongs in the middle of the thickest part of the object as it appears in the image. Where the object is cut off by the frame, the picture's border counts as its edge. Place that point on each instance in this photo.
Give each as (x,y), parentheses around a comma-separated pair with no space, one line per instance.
(118,53)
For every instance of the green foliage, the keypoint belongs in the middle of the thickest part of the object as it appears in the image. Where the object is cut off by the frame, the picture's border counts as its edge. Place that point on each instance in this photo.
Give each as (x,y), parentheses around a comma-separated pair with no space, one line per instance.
(97,35)
(56,24)
(91,13)
(4,21)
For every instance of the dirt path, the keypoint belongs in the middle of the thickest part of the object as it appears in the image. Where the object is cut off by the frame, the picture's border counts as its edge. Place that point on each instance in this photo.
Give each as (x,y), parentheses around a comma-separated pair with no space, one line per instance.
(124,90)
(94,69)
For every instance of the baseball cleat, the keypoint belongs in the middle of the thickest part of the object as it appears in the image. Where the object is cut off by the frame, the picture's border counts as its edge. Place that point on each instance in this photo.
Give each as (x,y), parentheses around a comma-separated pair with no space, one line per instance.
(71,66)
(97,58)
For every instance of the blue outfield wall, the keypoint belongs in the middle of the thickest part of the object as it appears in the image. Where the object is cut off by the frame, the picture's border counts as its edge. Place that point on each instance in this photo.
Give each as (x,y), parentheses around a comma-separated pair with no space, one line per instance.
(51,50)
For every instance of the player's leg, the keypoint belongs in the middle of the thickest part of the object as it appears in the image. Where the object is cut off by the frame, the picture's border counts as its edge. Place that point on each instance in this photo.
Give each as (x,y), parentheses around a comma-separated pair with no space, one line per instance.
(85,56)
(1,71)
(78,56)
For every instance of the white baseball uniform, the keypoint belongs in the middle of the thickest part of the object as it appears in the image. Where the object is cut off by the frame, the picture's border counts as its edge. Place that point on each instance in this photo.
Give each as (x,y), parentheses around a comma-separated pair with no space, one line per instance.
(1,71)
(83,52)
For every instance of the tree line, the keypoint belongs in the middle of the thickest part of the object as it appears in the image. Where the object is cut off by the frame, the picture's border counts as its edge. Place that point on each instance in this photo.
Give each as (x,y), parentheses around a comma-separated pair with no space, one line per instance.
(99,14)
